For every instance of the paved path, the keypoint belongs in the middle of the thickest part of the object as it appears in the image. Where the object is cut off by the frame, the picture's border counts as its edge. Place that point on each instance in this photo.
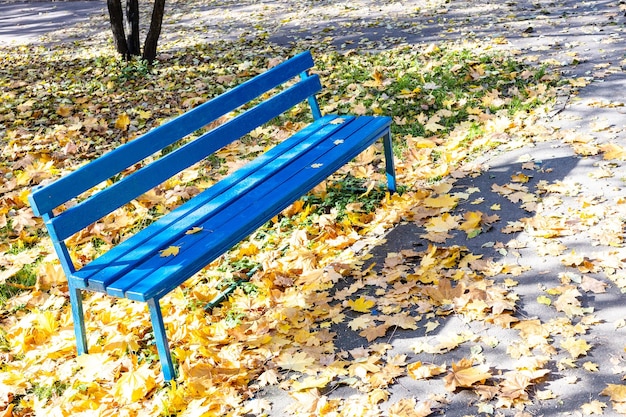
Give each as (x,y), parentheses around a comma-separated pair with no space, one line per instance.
(26,22)
(586,37)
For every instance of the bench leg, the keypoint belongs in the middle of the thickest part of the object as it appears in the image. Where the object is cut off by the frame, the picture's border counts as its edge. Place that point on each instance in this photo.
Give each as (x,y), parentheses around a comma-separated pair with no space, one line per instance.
(161,340)
(389,165)
(76,301)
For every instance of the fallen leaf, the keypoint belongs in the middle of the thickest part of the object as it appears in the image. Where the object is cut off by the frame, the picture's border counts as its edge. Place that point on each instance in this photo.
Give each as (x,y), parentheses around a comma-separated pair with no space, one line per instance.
(122,122)
(361,305)
(464,374)
(576,347)
(298,361)
(170,251)
(134,385)
(617,392)
(593,407)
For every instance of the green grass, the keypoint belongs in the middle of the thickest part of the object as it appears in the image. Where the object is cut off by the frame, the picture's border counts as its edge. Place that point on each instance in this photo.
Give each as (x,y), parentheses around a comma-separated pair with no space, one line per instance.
(341,193)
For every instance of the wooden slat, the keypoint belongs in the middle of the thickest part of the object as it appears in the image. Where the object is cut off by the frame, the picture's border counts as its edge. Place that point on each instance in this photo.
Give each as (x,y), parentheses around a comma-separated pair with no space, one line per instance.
(128,253)
(99,205)
(159,275)
(45,199)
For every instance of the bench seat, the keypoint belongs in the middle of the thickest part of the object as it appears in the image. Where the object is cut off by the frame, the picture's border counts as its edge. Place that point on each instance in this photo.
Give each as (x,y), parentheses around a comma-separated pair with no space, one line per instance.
(135,268)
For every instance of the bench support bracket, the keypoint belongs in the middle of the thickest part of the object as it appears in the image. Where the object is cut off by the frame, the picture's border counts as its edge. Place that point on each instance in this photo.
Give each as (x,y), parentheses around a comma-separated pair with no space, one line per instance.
(76,301)
(389,165)
(161,339)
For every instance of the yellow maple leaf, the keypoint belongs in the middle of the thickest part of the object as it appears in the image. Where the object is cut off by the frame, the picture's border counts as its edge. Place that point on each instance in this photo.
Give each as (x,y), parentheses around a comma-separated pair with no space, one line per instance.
(519,177)
(579,82)
(46,322)
(194,230)
(613,151)
(569,303)
(406,407)
(472,221)
(311,382)
(170,251)
(247,249)
(464,374)
(445,201)
(122,122)
(418,370)
(431,325)
(269,377)
(616,392)
(542,299)
(134,385)
(402,320)
(144,114)
(444,292)
(433,124)
(575,347)
(298,361)
(594,407)
(361,305)
(514,385)
(545,395)
(590,366)
(378,395)
(361,322)
(441,224)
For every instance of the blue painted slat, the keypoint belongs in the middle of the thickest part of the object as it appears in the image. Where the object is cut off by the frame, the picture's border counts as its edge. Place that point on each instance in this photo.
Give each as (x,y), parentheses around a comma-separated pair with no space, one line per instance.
(45,199)
(92,209)
(276,194)
(158,235)
(219,208)
(235,223)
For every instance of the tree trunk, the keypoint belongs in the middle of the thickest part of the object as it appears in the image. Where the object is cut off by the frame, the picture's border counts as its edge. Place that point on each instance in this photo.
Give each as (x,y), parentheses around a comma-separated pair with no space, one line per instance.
(150,47)
(132,17)
(116,15)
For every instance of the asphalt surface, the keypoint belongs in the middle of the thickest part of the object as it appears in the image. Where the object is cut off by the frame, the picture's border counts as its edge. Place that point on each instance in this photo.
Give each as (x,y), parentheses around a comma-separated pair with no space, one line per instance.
(587,38)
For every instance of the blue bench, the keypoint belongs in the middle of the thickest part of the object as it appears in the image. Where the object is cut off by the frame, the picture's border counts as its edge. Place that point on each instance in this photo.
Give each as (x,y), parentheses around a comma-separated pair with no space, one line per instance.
(227,212)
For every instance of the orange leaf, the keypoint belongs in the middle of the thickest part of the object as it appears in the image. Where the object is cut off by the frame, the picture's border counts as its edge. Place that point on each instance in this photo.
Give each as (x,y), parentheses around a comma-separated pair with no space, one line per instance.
(464,375)
(374,332)
(64,111)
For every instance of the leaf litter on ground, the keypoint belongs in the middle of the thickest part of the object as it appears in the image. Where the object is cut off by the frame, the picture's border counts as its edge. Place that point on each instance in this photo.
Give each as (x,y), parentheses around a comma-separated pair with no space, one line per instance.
(451,102)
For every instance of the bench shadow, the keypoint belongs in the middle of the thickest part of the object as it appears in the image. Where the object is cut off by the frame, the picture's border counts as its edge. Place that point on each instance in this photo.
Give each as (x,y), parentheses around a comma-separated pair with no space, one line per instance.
(543,272)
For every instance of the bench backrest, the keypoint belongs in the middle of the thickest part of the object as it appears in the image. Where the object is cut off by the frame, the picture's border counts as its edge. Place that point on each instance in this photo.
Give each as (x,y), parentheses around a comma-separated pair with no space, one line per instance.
(46,199)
